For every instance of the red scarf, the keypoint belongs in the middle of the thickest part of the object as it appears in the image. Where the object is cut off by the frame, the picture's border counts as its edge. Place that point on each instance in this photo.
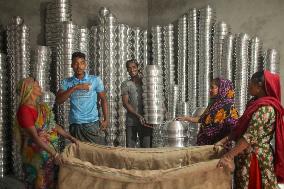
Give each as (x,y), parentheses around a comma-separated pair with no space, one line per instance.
(273,98)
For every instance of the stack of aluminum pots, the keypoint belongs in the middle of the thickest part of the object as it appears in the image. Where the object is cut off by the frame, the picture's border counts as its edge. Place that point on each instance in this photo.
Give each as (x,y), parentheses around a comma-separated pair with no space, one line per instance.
(169,78)
(206,22)
(192,29)
(145,47)
(93,50)
(122,74)
(18,43)
(255,56)
(227,63)
(138,47)
(84,43)
(182,58)
(157,47)
(221,30)
(1,39)
(108,67)
(41,72)
(241,72)
(57,11)
(66,46)
(153,101)
(172,102)
(272,60)
(5,129)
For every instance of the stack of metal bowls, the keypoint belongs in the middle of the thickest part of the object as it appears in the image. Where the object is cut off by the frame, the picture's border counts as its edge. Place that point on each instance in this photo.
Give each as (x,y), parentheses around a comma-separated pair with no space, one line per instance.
(193,128)
(255,53)
(138,47)
(41,72)
(169,78)
(221,30)
(172,102)
(183,108)
(122,76)
(228,58)
(1,39)
(18,43)
(146,47)
(5,129)
(130,43)
(153,99)
(93,50)
(157,45)
(68,44)
(272,60)
(175,134)
(84,42)
(182,57)
(41,66)
(206,23)
(109,75)
(57,11)
(192,57)
(241,72)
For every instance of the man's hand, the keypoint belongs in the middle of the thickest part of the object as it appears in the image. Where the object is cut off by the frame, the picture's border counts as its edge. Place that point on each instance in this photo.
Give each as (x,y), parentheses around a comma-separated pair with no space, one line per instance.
(142,120)
(83,86)
(103,124)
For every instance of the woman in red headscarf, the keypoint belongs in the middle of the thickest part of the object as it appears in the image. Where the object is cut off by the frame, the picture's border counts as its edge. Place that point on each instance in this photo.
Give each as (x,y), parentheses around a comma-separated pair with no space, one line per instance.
(257,166)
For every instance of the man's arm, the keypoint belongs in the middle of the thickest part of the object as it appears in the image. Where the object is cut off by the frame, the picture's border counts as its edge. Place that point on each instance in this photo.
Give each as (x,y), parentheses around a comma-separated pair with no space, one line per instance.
(103,99)
(62,95)
(129,107)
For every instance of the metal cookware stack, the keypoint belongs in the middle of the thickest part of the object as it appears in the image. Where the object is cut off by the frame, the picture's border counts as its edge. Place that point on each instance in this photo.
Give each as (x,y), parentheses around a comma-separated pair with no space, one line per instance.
(93,62)
(5,129)
(138,47)
(272,60)
(84,43)
(206,23)
(221,30)
(241,72)
(41,72)
(169,68)
(227,63)
(18,49)
(175,134)
(153,101)
(255,56)
(192,29)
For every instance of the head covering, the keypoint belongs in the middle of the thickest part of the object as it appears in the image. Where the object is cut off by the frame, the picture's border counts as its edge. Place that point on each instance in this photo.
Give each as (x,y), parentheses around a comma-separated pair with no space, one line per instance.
(273,98)
(219,113)
(25,89)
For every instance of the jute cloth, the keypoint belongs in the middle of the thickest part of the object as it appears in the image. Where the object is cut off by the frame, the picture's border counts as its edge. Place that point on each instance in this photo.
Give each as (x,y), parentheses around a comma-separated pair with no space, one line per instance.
(91,166)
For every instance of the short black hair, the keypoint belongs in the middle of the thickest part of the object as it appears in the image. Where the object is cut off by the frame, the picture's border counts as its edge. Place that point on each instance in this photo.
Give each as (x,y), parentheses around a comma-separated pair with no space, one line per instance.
(131,61)
(78,55)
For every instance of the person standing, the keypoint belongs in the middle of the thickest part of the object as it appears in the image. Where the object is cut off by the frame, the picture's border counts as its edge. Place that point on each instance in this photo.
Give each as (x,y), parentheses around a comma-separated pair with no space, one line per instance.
(131,91)
(84,91)
(257,165)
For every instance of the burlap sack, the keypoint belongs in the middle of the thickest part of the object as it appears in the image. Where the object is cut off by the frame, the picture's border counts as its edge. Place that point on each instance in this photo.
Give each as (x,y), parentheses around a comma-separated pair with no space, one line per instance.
(101,167)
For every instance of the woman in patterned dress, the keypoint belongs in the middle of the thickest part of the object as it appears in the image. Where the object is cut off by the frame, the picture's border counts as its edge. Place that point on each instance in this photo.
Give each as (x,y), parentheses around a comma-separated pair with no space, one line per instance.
(219,117)
(36,135)
(256,165)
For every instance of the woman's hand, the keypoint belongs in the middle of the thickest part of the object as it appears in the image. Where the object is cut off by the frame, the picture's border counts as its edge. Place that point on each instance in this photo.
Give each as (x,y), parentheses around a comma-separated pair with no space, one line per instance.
(184,118)
(218,146)
(226,162)
(75,141)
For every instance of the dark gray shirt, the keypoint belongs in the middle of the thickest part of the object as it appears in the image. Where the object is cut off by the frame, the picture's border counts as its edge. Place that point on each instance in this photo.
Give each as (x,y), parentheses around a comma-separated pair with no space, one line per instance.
(134,92)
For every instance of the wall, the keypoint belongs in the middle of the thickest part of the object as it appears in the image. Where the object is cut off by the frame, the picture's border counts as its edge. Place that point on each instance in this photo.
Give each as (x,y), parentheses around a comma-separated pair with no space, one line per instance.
(84,12)
(262,18)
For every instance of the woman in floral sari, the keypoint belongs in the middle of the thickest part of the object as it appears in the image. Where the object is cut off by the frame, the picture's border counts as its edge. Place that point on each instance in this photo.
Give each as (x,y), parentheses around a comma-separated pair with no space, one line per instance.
(256,165)
(219,117)
(36,133)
